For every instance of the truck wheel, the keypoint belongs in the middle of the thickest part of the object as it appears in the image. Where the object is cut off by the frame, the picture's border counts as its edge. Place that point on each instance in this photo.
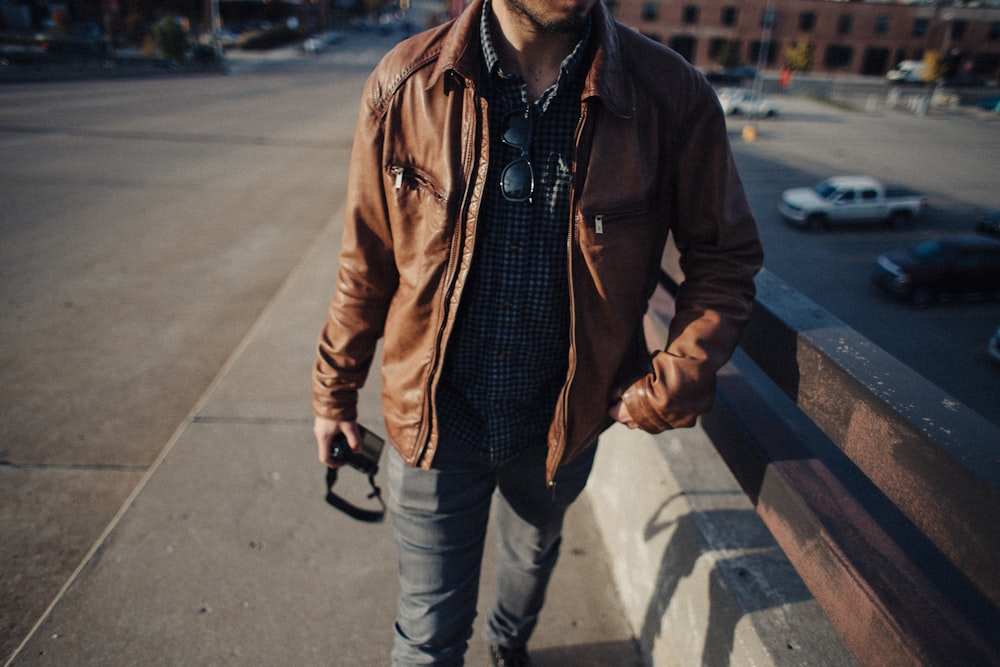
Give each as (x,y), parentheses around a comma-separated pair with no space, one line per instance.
(921,297)
(901,219)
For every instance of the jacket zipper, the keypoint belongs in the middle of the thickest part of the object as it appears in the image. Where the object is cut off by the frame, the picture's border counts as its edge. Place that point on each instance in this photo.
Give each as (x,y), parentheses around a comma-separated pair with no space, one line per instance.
(571,372)
(451,274)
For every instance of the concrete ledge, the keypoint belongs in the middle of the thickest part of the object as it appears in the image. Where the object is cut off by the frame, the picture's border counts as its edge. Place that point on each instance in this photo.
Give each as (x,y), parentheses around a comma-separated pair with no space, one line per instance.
(700,577)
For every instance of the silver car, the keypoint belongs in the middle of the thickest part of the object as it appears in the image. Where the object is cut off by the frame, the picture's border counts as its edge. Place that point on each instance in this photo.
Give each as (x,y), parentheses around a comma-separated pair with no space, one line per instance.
(740,101)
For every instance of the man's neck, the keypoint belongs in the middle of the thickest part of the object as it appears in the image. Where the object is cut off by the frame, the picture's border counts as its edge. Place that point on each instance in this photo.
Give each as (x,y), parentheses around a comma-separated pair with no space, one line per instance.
(525,49)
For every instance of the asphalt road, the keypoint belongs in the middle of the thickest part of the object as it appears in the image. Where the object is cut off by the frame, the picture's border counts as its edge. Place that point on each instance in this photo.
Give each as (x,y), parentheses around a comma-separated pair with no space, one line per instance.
(950,156)
(146,223)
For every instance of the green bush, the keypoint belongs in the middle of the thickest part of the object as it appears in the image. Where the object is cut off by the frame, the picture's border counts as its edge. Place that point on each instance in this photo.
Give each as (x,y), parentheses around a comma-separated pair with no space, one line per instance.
(170,38)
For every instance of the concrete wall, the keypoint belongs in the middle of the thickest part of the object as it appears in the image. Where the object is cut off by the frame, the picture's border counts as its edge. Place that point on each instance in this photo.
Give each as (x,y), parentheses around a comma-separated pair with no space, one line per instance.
(700,577)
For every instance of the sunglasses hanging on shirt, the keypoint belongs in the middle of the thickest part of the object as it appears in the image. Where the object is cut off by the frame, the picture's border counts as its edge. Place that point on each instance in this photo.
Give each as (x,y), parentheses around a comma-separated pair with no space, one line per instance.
(517,180)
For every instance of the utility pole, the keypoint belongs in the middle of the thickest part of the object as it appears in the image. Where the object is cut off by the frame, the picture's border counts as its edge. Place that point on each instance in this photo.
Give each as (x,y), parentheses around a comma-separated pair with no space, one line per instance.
(215,19)
(749,130)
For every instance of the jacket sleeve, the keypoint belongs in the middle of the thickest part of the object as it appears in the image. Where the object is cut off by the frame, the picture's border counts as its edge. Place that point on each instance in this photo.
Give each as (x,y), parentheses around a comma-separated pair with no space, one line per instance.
(720,253)
(366,276)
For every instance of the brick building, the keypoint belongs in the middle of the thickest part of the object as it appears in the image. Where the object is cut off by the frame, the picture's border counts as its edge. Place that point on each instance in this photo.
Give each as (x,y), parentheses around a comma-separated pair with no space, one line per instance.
(847,37)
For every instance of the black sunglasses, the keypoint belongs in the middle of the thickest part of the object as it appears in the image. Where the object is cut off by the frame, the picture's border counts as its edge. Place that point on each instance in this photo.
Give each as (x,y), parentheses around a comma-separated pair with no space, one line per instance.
(517,181)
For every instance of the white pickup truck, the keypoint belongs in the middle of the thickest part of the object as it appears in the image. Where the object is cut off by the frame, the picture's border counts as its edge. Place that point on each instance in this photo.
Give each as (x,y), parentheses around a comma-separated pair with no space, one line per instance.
(851,200)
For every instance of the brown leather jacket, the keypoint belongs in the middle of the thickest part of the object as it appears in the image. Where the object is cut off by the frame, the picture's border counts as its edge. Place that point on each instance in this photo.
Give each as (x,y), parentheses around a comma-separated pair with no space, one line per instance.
(652,158)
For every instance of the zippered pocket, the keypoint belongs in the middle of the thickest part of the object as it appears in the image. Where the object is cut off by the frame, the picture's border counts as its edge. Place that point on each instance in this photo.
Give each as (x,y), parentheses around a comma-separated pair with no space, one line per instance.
(605,222)
(411,177)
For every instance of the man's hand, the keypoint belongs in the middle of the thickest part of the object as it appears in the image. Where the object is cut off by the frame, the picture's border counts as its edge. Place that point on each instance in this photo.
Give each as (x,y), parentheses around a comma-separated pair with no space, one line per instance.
(619,412)
(325,429)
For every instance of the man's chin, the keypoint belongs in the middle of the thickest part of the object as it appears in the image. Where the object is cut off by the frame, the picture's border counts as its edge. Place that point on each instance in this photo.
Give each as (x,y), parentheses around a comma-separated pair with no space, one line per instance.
(571,20)
(568,26)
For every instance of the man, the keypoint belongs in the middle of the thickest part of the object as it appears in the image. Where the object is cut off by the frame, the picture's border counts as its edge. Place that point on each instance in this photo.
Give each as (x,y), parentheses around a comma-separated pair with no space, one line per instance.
(514,179)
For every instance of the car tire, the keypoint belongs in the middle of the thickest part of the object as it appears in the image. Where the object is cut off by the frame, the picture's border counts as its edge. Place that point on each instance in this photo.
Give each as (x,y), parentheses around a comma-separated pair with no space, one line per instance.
(900,219)
(921,297)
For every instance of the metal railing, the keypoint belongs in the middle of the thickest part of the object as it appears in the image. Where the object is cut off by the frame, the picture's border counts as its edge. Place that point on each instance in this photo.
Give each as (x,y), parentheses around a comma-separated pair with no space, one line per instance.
(882,491)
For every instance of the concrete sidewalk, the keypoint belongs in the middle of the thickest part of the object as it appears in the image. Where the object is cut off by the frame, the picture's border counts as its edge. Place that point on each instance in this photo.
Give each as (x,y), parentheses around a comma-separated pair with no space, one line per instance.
(226,553)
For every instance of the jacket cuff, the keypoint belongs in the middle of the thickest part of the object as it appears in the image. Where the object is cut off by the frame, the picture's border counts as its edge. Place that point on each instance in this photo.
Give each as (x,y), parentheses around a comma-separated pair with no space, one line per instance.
(658,406)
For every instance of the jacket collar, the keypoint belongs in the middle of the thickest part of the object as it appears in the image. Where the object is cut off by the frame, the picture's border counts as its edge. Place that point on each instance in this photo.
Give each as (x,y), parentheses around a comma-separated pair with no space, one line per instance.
(461,54)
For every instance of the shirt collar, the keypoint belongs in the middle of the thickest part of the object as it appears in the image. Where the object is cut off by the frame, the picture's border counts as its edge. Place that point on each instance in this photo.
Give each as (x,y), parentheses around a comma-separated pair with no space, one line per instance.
(569,67)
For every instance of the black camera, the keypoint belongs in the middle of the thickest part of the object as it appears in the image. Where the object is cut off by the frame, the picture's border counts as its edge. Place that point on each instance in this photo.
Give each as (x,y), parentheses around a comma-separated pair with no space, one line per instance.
(365,460)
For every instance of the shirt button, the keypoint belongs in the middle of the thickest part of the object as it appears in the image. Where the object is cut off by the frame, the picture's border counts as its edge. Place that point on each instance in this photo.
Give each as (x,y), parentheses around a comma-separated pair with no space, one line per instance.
(501,356)
(507,303)
(515,247)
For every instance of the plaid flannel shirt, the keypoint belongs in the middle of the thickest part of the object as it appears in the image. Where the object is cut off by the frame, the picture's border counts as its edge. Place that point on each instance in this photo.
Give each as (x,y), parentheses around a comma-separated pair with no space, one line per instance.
(507,358)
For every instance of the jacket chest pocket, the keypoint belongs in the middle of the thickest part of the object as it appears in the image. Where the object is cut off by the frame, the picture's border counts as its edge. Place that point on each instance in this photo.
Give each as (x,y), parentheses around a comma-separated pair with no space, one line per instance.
(409,180)
(612,226)
(625,239)
(418,217)
(613,221)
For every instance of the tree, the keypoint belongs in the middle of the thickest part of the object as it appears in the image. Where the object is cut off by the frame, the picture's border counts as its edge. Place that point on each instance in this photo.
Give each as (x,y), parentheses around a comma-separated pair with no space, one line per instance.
(800,56)
(170,38)
(729,56)
(935,66)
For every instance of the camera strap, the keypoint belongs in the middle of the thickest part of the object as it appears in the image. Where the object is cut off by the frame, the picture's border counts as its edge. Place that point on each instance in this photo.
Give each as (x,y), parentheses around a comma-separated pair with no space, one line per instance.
(353,511)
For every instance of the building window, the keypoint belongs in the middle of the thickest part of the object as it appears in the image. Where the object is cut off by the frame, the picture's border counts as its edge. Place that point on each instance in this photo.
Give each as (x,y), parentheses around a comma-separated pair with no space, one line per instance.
(807,21)
(958,29)
(875,61)
(994,33)
(684,45)
(690,16)
(838,56)
(650,11)
(920,27)
(881,25)
(845,24)
(716,47)
(772,49)
(730,15)
(726,52)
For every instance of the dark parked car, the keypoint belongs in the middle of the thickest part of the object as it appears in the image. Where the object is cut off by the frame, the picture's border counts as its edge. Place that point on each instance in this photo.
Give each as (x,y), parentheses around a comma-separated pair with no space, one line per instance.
(993,346)
(948,267)
(989,223)
(731,76)
(989,104)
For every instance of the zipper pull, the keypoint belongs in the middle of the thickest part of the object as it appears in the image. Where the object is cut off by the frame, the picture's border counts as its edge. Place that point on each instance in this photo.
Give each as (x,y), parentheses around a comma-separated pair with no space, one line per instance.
(398,171)
(599,224)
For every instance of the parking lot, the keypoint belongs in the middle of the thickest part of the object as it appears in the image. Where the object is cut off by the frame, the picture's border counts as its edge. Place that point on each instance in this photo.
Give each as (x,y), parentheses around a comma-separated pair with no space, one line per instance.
(950,155)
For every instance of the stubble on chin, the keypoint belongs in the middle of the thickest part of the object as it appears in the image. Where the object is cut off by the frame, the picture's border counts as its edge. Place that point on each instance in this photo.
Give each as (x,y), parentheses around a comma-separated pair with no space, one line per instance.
(560,25)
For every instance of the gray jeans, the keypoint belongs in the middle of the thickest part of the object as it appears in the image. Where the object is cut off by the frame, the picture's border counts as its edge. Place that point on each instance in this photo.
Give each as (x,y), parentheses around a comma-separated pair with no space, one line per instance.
(439,518)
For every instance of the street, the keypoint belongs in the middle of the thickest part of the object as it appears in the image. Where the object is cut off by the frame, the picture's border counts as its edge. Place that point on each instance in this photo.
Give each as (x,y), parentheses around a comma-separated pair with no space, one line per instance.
(145,226)
(147,223)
